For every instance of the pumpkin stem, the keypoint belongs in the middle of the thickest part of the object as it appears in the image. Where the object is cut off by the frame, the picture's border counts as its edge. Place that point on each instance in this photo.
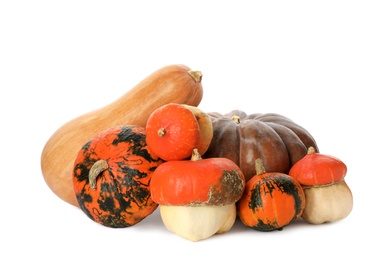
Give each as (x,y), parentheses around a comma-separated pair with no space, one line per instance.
(196,155)
(95,170)
(311,150)
(161,132)
(259,166)
(197,75)
(236,119)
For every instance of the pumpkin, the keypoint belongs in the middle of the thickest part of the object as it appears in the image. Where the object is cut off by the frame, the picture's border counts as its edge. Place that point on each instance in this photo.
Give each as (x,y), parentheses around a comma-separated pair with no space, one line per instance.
(197,197)
(111,177)
(271,200)
(328,197)
(172,83)
(243,138)
(174,130)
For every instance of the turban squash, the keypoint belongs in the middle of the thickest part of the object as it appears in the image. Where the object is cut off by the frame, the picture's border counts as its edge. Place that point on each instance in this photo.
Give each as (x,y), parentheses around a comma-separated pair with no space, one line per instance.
(328,196)
(197,197)
(277,140)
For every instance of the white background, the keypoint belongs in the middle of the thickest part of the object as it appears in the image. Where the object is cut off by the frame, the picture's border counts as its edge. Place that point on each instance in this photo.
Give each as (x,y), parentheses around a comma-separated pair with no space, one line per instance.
(323,64)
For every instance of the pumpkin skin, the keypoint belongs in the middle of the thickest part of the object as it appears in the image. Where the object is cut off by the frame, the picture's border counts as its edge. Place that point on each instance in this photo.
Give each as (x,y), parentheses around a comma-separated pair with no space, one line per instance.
(117,195)
(171,83)
(316,169)
(197,182)
(243,138)
(271,201)
(174,130)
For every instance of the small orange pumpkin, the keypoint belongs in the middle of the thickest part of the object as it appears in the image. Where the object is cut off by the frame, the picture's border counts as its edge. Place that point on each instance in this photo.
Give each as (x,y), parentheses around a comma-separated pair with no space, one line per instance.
(271,200)
(174,130)
(111,177)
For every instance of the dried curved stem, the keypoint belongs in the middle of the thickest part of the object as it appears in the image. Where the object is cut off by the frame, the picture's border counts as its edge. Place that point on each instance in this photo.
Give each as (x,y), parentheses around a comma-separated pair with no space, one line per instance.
(95,170)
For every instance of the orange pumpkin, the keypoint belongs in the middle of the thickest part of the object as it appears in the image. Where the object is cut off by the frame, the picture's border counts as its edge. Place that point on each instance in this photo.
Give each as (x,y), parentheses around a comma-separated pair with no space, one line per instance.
(174,130)
(271,200)
(111,177)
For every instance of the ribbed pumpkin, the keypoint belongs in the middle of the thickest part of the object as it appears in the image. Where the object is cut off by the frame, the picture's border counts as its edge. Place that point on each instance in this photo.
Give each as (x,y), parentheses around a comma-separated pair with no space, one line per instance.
(271,200)
(274,138)
(111,177)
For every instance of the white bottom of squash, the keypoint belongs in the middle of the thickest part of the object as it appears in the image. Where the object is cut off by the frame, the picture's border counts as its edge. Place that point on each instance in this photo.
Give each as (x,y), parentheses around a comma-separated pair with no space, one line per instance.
(200,222)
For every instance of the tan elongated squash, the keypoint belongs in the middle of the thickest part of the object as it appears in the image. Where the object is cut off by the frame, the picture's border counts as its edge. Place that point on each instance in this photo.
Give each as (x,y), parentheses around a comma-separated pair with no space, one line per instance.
(175,83)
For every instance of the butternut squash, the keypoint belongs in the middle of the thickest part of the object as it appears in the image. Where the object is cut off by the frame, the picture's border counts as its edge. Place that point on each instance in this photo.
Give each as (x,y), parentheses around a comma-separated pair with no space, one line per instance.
(175,83)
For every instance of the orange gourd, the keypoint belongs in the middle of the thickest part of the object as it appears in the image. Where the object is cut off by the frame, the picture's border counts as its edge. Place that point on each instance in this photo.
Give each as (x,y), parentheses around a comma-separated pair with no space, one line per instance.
(271,200)
(174,130)
(172,83)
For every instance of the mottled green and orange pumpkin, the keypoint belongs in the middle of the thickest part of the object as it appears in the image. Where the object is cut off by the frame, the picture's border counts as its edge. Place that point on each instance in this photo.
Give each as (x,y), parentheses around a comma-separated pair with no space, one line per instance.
(271,200)
(277,140)
(111,177)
